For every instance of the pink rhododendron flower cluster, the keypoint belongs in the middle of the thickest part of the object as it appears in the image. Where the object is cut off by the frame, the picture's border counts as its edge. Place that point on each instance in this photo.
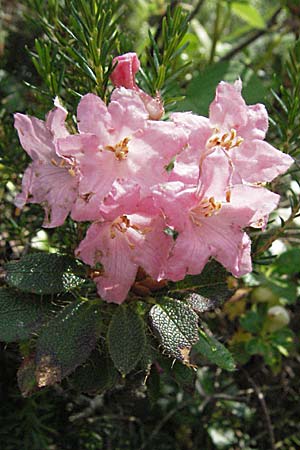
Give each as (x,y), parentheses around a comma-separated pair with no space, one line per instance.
(162,195)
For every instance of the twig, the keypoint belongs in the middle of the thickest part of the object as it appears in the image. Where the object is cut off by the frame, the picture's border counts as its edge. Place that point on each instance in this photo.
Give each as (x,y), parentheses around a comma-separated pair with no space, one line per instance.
(279,231)
(166,418)
(173,5)
(216,34)
(196,9)
(252,38)
(264,407)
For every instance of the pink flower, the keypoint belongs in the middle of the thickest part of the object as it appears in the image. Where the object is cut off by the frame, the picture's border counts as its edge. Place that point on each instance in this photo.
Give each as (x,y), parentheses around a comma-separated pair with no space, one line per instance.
(127,237)
(239,130)
(118,142)
(49,180)
(123,75)
(209,223)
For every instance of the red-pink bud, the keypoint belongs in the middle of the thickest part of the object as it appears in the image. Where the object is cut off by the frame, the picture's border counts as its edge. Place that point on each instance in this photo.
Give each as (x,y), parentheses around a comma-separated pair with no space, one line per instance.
(124,73)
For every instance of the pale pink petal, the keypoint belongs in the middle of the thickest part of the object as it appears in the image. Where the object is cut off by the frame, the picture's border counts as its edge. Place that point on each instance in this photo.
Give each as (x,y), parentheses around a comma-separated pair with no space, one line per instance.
(115,255)
(215,176)
(187,162)
(249,205)
(98,169)
(257,124)
(51,186)
(151,151)
(228,244)
(198,128)
(151,253)
(128,113)
(124,197)
(35,137)
(228,109)
(188,256)
(23,197)
(93,117)
(55,120)
(258,161)
(175,201)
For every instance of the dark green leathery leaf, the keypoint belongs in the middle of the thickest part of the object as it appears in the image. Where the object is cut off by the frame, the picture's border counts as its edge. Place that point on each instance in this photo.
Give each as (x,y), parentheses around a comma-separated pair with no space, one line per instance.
(44,273)
(96,375)
(126,339)
(67,341)
(21,314)
(176,325)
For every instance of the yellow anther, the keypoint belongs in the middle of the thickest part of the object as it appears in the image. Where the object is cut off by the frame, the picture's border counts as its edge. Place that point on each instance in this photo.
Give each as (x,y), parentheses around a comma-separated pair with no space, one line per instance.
(205,208)
(120,149)
(227,140)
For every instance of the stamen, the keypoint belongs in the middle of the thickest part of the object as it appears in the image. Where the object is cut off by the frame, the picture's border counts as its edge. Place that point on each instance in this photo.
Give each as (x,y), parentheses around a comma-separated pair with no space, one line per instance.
(72,172)
(227,140)
(120,149)
(205,208)
(54,162)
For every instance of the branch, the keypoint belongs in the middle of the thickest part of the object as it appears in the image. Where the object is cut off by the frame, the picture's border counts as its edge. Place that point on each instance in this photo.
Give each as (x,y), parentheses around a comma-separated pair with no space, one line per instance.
(252,38)
(279,231)
(196,9)
(262,401)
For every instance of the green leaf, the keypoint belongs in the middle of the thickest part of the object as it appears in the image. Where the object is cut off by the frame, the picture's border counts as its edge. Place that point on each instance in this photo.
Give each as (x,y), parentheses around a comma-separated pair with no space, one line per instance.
(252,321)
(283,288)
(283,338)
(126,339)
(20,315)
(288,262)
(249,14)
(201,90)
(214,351)
(97,375)
(66,341)
(206,291)
(256,346)
(176,325)
(43,273)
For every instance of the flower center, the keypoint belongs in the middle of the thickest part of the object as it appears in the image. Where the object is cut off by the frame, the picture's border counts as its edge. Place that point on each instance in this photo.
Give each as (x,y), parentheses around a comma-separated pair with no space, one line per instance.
(226,140)
(205,208)
(120,149)
(122,224)
(62,164)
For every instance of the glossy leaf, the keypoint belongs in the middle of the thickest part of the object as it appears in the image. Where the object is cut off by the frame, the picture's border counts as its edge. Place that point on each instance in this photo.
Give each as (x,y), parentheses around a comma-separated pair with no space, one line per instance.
(176,325)
(43,273)
(214,351)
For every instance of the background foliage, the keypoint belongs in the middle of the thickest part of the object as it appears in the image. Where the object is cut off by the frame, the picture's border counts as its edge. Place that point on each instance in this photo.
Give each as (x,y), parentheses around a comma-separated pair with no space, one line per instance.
(186,48)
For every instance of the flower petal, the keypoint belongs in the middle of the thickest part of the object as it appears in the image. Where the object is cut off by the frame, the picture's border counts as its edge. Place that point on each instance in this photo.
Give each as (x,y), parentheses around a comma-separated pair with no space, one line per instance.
(115,256)
(188,256)
(35,137)
(258,161)
(93,117)
(55,120)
